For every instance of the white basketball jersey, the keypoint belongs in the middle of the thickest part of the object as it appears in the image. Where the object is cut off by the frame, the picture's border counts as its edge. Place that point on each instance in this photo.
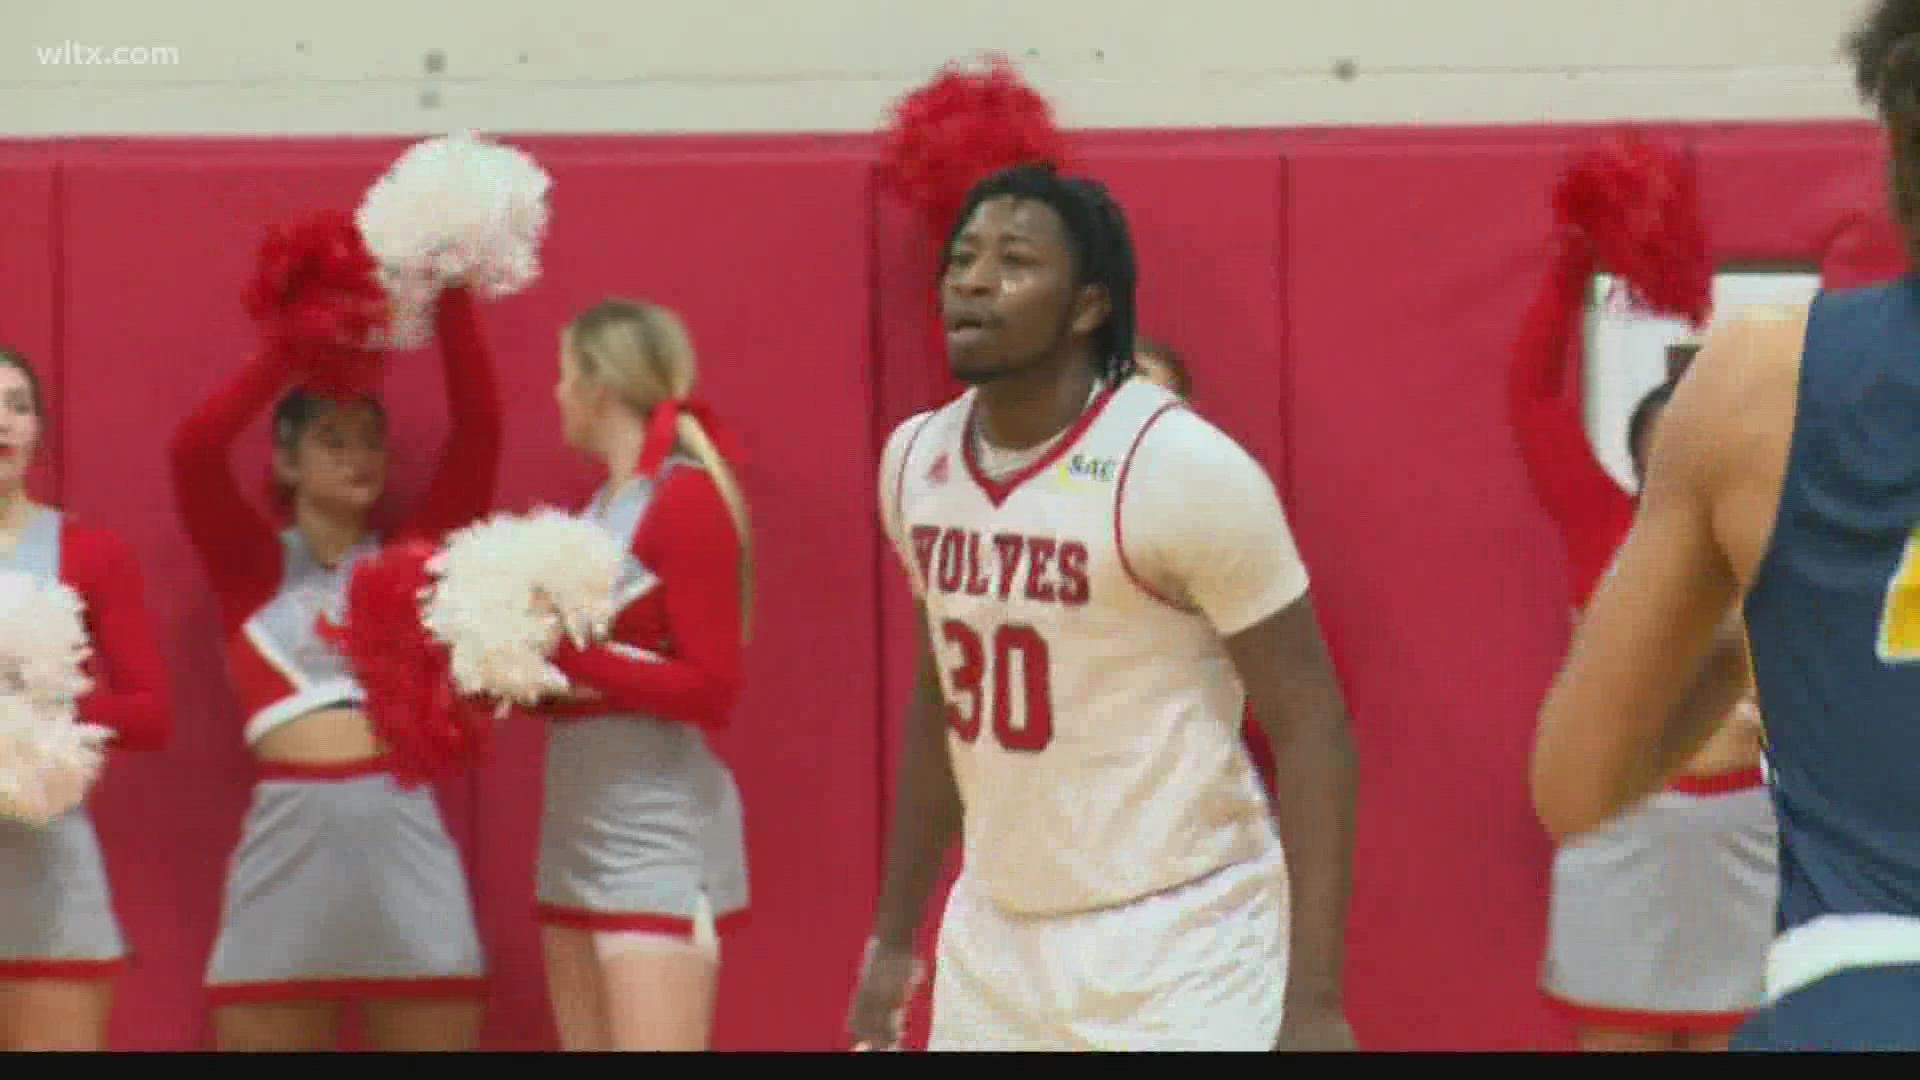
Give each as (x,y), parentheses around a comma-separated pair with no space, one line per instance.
(1094,729)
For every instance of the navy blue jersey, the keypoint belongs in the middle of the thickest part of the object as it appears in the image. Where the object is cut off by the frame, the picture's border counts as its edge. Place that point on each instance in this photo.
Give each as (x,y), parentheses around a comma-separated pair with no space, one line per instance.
(1833,618)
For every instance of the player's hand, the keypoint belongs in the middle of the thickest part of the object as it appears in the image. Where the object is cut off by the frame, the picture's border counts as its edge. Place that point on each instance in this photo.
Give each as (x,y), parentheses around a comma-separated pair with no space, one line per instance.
(1314,1029)
(889,974)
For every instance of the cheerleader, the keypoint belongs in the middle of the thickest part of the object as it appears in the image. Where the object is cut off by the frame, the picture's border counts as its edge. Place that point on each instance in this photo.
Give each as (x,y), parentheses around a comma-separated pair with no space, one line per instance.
(642,855)
(60,942)
(1658,925)
(346,885)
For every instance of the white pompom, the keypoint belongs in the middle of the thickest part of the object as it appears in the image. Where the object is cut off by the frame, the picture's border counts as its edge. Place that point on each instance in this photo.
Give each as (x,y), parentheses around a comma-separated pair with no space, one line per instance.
(487,603)
(48,758)
(455,209)
(43,640)
(411,302)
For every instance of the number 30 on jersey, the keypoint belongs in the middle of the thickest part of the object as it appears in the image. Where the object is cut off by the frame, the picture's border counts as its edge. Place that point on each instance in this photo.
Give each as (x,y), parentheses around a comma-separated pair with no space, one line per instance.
(1006,675)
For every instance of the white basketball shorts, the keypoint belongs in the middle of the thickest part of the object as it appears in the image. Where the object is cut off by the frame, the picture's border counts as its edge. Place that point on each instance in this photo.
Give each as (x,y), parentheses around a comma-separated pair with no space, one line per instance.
(1201,967)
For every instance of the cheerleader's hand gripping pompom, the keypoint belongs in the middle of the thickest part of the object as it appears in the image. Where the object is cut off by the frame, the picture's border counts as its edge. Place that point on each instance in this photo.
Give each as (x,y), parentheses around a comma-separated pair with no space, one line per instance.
(454,210)
(49,759)
(428,728)
(509,589)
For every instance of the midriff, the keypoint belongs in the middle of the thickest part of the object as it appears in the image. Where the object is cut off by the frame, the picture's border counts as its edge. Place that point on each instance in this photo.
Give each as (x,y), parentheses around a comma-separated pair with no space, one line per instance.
(322,737)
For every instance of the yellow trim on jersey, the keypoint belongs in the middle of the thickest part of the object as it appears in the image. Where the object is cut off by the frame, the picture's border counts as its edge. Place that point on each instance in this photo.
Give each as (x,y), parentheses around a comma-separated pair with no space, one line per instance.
(1899,638)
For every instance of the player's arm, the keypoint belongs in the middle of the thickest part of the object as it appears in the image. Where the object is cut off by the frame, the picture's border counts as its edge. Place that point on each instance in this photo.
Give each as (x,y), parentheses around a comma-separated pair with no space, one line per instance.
(926,805)
(1296,698)
(1223,545)
(1655,664)
(926,809)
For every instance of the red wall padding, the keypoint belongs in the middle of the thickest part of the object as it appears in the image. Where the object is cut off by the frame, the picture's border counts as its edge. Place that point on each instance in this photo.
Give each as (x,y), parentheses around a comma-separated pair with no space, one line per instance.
(1344,298)
(30,298)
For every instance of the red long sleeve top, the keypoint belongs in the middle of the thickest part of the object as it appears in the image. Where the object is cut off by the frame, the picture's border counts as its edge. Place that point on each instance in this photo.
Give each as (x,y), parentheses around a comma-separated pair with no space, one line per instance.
(241,547)
(675,653)
(131,694)
(1592,512)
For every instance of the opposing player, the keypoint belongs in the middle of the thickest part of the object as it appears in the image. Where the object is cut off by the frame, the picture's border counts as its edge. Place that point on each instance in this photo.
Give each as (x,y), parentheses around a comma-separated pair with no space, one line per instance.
(1105,578)
(1657,924)
(1785,476)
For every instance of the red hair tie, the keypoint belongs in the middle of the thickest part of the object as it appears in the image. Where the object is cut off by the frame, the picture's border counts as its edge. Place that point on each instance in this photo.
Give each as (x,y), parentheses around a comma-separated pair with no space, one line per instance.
(662,432)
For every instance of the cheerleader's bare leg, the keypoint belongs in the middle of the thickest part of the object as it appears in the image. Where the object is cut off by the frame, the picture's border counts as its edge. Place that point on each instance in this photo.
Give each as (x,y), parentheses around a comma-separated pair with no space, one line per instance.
(642,862)
(576,989)
(660,988)
(61,946)
(281,1026)
(55,1014)
(402,1024)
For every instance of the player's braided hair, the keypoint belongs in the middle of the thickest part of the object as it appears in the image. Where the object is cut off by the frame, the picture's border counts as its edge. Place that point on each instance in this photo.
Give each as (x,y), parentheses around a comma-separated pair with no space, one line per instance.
(1098,236)
(1885,50)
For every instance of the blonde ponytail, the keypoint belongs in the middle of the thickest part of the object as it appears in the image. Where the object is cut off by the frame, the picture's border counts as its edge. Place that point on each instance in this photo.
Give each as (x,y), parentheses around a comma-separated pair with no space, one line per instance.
(694,437)
(643,351)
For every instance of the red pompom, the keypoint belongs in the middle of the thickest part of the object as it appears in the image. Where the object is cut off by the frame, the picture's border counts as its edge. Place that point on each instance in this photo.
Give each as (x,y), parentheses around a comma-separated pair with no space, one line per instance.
(957,129)
(1636,204)
(318,299)
(429,728)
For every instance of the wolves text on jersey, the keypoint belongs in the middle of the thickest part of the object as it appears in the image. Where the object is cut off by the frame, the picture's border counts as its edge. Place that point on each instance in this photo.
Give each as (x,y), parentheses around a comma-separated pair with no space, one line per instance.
(961,561)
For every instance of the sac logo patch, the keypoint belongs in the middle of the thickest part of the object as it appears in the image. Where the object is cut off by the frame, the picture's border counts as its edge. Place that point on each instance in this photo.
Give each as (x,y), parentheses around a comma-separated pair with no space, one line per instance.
(1085,469)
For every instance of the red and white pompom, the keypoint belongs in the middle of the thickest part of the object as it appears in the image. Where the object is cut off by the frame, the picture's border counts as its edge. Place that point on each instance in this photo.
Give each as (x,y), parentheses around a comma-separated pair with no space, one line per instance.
(508,589)
(459,209)
(428,728)
(49,758)
(318,303)
(960,127)
(1636,204)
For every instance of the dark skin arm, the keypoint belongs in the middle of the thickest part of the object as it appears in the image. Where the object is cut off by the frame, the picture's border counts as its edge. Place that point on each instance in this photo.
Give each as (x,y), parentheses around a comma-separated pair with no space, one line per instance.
(924,826)
(926,809)
(1297,700)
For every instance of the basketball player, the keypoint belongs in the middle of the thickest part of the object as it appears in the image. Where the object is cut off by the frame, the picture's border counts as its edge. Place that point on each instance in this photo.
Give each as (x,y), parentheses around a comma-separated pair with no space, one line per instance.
(642,841)
(1105,578)
(345,887)
(1658,923)
(61,946)
(1786,475)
